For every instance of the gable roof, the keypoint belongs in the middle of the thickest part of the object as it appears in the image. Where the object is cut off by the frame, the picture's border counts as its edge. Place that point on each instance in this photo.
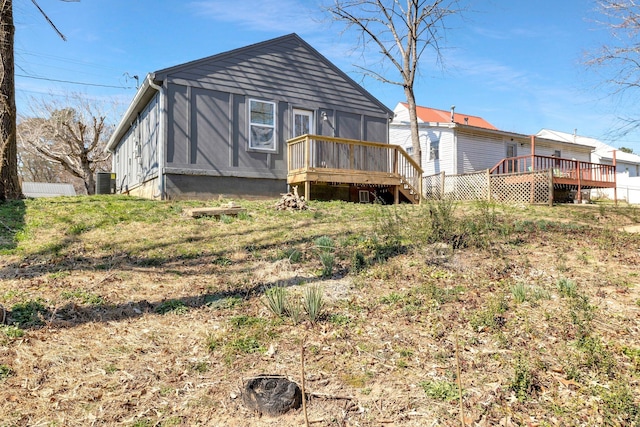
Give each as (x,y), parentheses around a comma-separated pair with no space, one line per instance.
(433,115)
(598,147)
(262,67)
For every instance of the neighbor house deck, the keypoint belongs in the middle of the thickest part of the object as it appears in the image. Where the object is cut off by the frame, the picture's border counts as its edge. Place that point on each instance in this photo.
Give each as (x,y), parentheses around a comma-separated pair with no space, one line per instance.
(568,174)
(314,159)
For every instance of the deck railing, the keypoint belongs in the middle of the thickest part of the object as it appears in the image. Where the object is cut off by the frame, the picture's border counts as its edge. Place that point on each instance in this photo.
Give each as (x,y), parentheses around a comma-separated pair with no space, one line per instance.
(565,170)
(323,153)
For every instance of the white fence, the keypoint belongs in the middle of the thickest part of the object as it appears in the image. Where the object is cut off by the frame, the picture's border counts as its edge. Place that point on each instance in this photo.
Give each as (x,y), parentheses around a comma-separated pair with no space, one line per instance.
(529,187)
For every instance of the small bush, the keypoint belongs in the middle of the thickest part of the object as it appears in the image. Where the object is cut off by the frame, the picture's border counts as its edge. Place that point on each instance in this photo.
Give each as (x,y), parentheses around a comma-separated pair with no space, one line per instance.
(324,244)
(276,300)
(28,314)
(523,383)
(358,262)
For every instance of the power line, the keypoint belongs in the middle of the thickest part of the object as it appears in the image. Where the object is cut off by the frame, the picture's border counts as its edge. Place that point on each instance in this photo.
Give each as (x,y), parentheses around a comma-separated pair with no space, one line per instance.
(74,83)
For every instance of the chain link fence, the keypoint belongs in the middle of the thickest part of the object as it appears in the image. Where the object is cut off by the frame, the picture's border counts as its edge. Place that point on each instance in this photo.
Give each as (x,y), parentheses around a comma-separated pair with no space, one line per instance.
(529,187)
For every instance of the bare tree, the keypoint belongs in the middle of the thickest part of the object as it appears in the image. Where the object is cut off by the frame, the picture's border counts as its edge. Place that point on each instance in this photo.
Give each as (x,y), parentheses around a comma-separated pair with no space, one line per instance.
(9,182)
(72,134)
(618,61)
(401,31)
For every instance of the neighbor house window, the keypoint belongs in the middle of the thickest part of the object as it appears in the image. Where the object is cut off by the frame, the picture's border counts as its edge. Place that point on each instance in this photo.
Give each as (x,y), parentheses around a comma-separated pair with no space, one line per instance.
(262,125)
(434,150)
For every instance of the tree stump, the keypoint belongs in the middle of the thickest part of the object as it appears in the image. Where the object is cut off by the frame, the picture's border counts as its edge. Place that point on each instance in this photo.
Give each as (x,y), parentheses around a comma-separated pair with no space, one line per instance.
(271,395)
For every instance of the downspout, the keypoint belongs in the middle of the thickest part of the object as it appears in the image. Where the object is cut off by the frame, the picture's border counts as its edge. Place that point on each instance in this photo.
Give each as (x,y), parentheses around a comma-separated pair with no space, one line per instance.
(161,139)
(455,149)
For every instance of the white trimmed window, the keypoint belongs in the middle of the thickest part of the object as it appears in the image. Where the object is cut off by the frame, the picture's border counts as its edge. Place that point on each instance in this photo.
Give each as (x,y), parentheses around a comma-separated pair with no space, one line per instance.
(262,125)
(434,150)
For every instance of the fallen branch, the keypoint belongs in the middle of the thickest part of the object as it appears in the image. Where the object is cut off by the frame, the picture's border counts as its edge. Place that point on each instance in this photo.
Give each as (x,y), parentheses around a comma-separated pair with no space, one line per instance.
(330,396)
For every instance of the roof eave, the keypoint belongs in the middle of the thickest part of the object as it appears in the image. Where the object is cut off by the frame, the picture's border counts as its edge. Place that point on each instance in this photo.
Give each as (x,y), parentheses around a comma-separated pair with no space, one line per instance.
(140,99)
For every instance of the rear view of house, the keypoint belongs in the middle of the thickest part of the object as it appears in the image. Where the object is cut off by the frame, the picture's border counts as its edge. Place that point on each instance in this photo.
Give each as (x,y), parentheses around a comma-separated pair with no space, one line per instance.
(218,126)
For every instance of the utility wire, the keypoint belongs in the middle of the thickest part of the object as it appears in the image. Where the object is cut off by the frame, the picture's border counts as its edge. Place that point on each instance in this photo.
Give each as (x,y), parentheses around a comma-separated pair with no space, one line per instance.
(74,83)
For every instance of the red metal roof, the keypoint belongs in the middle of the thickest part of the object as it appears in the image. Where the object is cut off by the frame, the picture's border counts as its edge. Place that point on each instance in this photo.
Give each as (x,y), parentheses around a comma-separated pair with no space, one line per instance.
(441,116)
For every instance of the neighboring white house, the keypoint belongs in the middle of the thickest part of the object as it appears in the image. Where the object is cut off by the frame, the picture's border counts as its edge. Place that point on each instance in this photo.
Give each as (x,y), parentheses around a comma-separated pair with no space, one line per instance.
(627,164)
(460,143)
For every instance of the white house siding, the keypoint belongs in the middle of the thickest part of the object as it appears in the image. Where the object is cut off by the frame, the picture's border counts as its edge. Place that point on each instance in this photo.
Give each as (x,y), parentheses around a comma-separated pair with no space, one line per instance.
(135,161)
(548,148)
(478,151)
(400,134)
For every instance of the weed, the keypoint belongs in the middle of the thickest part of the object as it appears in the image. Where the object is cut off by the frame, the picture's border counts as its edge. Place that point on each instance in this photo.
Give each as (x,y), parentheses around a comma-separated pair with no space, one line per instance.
(242,321)
(28,314)
(490,317)
(392,298)
(328,260)
(84,296)
(292,254)
(519,291)
(339,319)
(199,366)
(313,303)
(247,345)
(596,356)
(567,287)
(222,302)
(523,383)
(226,219)
(146,422)
(440,390)
(358,380)
(623,408)
(222,261)
(358,262)
(172,306)
(11,331)
(5,372)
(111,368)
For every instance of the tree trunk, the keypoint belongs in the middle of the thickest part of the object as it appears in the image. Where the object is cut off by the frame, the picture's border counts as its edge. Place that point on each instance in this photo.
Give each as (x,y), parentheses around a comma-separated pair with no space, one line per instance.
(413,120)
(9,182)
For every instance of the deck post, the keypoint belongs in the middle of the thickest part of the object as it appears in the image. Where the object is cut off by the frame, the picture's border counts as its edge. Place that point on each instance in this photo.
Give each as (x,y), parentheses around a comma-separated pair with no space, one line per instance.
(533,152)
(579,181)
(442,185)
(489,185)
(396,195)
(615,183)
(550,179)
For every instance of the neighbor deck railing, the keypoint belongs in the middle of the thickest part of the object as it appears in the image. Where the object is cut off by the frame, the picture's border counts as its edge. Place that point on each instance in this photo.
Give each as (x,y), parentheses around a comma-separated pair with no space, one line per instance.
(349,160)
(565,171)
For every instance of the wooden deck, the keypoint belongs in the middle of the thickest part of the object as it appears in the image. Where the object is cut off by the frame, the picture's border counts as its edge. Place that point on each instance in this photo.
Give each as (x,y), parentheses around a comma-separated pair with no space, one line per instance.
(314,159)
(568,174)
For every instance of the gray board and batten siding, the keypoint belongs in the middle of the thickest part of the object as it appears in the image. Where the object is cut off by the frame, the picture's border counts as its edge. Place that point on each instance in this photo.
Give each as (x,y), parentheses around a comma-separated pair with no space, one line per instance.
(205,148)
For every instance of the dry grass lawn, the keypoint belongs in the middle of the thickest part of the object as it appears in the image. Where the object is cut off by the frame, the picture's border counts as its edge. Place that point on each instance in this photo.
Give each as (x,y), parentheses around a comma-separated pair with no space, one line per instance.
(127,312)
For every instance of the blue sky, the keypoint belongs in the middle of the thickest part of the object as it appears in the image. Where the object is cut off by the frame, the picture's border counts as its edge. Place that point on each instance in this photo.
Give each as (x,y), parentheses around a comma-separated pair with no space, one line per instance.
(517,64)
